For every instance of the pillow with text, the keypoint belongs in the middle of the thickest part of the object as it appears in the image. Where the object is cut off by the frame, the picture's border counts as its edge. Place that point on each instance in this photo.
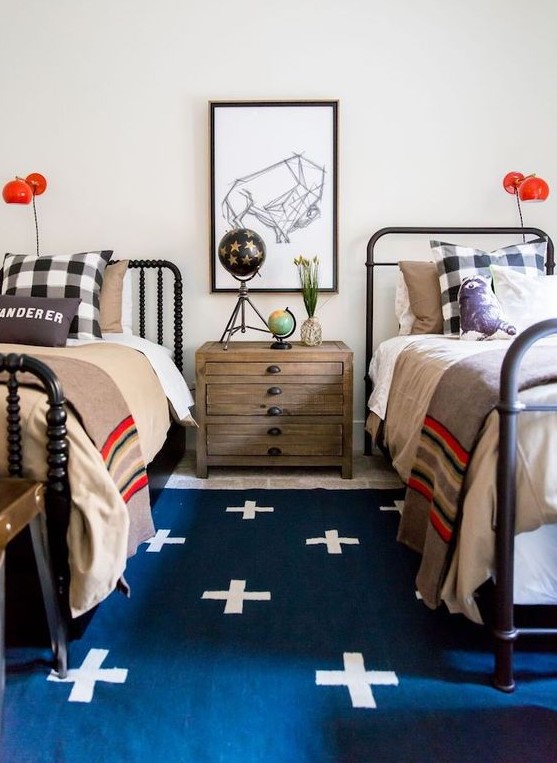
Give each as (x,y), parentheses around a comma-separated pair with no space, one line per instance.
(36,320)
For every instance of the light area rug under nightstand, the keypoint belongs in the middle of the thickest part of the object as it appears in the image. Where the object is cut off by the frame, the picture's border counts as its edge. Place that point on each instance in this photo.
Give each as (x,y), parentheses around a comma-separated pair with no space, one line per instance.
(370,472)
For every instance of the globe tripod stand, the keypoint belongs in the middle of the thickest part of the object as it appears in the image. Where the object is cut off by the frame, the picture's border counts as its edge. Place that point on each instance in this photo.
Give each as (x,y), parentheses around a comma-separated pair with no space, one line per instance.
(240,311)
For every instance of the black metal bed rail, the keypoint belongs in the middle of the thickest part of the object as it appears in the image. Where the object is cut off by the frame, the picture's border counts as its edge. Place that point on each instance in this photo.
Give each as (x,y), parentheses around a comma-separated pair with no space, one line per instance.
(160,266)
(57,503)
(371,264)
(509,407)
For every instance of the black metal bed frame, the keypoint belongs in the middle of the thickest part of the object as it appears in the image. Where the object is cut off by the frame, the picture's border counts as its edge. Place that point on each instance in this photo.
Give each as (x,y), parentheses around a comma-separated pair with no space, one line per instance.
(509,406)
(58,502)
(160,266)
(52,565)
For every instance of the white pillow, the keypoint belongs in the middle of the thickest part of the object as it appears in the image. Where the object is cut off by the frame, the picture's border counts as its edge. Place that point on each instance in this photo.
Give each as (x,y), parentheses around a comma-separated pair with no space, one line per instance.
(403,311)
(525,299)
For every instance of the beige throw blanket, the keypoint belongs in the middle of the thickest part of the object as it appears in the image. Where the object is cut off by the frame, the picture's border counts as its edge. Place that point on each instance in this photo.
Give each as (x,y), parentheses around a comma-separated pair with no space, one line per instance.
(99,536)
(100,407)
(466,393)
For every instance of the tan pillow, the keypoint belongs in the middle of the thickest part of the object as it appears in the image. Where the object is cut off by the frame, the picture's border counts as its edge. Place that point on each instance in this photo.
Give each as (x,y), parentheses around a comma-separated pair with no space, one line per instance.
(111,298)
(424,292)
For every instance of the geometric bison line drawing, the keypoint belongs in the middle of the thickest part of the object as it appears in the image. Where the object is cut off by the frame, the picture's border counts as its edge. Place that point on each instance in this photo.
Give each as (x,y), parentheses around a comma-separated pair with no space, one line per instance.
(285,196)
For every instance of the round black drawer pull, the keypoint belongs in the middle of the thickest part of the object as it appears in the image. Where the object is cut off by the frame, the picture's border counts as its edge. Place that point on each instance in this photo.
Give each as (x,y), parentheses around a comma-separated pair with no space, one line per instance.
(274,451)
(274,411)
(274,391)
(273,370)
(274,431)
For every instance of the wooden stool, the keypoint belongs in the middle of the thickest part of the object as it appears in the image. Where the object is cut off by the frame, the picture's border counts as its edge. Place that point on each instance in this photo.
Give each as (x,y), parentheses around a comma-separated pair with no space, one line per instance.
(22,504)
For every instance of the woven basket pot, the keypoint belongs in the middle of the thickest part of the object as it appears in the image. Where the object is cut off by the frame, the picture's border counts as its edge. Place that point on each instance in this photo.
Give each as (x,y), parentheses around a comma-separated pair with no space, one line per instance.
(310,332)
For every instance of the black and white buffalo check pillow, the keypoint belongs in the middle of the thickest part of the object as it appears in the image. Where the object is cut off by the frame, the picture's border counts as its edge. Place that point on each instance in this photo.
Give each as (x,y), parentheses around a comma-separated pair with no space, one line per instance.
(454,263)
(75,275)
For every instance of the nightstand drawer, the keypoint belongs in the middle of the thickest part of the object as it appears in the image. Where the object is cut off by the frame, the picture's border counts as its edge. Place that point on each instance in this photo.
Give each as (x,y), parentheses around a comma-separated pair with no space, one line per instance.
(274,439)
(274,400)
(274,369)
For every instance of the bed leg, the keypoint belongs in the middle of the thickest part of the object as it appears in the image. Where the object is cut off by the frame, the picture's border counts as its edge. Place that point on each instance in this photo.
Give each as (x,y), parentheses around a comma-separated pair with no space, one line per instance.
(504,629)
(368,448)
(56,624)
(503,677)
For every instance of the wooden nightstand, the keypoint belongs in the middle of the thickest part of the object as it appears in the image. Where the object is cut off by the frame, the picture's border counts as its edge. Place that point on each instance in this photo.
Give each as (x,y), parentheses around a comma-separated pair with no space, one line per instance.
(261,407)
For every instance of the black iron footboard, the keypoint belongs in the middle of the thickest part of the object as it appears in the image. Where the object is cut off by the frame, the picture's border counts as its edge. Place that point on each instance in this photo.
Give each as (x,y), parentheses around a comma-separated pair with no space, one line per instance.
(509,407)
(54,574)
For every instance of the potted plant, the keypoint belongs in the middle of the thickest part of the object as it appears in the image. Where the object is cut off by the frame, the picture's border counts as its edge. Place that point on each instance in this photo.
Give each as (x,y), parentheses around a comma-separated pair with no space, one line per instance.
(308,272)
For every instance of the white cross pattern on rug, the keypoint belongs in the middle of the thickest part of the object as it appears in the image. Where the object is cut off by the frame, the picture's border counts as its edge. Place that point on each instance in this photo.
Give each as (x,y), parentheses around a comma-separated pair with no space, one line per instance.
(333,542)
(236,595)
(85,677)
(357,679)
(249,509)
(160,539)
(398,506)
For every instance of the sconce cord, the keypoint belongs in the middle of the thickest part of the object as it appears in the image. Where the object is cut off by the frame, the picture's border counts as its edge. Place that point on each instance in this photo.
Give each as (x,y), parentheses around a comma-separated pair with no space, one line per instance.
(36,223)
(519,214)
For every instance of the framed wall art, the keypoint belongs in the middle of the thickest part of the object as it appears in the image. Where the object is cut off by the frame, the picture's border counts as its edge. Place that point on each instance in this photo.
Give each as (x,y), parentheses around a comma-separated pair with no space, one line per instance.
(274,171)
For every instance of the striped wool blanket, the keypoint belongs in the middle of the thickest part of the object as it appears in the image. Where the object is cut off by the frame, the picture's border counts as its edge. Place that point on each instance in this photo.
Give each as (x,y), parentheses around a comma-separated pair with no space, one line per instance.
(104,414)
(464,396)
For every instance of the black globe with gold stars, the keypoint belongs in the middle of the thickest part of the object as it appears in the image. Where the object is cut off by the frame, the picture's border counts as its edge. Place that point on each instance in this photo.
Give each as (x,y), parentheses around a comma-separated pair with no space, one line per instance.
(241,252)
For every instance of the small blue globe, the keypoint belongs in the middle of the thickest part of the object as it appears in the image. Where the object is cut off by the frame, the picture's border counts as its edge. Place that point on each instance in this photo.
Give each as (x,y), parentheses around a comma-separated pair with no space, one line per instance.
(281,323)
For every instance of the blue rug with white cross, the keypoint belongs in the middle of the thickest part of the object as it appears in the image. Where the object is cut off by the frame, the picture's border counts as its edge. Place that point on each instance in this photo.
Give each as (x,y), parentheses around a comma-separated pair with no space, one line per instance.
(277,626)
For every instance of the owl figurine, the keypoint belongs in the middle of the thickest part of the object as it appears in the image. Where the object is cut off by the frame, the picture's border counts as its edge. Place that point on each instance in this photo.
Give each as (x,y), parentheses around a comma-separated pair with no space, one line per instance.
(480,312)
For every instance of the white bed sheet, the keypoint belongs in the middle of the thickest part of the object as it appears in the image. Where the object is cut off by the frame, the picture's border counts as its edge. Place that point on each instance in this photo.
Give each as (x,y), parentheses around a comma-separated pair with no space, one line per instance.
(160,358)
(450,348)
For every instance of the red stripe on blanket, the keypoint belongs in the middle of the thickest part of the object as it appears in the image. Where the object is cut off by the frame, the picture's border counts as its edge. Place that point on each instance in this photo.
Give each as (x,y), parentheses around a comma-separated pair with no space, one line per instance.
(460,454)
(121,430)
(444,530)
(451,460)
(420,486)
(139,483)
(120,442)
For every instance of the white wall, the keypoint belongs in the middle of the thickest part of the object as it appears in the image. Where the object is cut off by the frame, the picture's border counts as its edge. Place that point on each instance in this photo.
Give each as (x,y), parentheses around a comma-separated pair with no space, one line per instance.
(109,99)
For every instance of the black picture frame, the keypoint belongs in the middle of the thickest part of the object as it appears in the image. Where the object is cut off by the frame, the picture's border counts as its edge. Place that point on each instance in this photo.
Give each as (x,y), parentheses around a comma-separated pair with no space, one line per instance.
(274,169)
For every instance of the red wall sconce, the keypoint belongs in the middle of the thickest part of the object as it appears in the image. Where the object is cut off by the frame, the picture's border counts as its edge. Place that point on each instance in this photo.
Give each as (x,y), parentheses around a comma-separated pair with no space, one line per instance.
(23,191)
(525,188)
